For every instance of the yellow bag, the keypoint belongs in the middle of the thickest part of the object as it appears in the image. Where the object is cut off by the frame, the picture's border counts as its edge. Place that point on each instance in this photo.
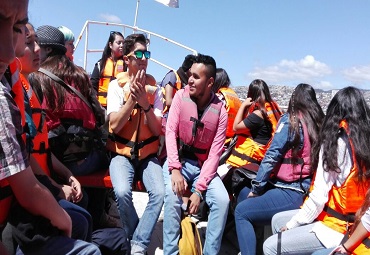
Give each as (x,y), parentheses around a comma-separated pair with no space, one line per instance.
(190,242)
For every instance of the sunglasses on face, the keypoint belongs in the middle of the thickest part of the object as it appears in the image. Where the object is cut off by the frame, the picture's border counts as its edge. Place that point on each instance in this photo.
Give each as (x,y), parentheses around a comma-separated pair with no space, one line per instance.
(139,54)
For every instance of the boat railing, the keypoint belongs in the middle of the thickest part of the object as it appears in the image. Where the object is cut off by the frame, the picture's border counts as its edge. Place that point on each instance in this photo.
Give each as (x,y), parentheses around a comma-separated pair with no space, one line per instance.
(133,29)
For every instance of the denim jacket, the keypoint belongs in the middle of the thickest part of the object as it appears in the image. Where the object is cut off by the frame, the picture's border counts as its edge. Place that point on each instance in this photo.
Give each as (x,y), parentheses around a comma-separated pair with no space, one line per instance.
(280,145)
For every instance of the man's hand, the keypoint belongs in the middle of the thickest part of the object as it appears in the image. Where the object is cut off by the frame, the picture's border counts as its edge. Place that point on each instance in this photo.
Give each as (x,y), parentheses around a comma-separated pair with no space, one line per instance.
(179,184)
(194,203)
(138,91)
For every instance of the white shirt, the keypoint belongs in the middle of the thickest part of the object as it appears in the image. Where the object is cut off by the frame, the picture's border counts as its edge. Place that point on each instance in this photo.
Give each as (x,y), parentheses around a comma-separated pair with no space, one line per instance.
(116,98)
(318,197)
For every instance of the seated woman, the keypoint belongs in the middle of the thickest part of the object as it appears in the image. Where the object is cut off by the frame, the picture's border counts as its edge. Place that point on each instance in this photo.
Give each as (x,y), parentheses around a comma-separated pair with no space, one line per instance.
(254,123)
(284,175)
(73,130)
(341,181)
(74,134)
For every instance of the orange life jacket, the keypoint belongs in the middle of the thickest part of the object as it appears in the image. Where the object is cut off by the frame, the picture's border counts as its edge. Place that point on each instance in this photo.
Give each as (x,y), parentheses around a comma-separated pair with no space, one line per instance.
(345,200)
(246,150)
(134,140)
(111,70)
(40,151)
(178,85)
(232,106)
(6,194)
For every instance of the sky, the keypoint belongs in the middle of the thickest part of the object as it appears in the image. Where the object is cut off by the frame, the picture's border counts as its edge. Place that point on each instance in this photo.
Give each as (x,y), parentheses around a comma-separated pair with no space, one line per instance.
(284,42)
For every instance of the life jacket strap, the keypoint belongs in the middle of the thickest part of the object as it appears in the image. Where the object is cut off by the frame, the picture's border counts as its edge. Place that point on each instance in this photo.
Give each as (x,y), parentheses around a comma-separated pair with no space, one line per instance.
(135,147)
(350,218)
(245,157)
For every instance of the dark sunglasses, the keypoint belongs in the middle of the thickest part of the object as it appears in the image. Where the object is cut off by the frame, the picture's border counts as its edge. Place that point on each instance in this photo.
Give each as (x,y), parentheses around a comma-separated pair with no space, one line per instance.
(139,54)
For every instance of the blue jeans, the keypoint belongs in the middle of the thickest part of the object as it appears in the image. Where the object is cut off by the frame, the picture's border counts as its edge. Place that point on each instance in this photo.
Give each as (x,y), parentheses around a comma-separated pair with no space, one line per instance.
(258,211)
(299,240)
(122,171)
(81,220)
(217,199)
(62,245)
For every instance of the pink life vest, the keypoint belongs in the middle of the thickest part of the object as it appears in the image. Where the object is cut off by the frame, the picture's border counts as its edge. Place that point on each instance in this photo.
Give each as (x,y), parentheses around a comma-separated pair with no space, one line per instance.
(289,172)
(196,136)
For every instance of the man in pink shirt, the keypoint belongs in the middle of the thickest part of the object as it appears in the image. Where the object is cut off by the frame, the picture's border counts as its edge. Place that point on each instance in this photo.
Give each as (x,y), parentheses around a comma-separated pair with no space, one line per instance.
(195,134)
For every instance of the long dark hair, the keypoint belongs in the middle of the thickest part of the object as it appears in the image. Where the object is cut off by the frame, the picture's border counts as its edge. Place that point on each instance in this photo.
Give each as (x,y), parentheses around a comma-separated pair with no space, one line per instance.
(303,106)
(260,94)
(107,52)
(222,80)
(348,105)
(66,70)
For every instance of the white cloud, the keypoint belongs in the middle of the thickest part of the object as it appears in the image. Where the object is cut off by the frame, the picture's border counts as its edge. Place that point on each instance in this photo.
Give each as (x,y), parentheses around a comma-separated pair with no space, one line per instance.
(110,18)
(325,85)
(357,74)
(304,70)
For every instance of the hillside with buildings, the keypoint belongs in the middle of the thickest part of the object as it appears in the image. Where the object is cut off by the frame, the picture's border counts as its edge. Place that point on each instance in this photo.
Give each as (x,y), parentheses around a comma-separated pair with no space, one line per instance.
(282,95)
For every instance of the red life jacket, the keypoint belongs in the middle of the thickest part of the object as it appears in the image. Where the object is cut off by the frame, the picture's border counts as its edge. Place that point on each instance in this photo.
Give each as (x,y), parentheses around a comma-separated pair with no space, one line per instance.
(196,135)
(75,111)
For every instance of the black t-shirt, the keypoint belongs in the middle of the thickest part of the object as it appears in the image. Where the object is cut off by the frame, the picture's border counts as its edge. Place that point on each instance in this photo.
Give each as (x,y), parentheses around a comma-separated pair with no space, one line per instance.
(259,128)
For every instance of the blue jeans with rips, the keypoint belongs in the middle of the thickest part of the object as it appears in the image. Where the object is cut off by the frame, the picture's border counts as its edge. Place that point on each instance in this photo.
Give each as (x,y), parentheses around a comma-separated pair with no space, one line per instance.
(217,199)
(122,171)
(258,211)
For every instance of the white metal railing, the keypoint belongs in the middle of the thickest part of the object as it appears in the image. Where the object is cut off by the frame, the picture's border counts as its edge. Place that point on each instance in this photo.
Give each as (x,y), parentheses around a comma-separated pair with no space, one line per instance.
(86,27)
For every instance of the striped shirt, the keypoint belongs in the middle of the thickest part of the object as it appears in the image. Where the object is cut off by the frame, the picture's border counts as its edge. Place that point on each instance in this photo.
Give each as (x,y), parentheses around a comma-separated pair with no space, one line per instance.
(13,155)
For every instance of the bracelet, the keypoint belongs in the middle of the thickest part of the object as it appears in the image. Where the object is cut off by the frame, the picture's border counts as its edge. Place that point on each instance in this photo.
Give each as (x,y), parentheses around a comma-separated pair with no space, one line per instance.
(197,192)
(147,110)
(346,249)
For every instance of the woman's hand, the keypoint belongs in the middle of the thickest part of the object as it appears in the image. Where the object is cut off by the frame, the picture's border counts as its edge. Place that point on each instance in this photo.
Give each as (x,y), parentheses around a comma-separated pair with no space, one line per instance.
(76,186)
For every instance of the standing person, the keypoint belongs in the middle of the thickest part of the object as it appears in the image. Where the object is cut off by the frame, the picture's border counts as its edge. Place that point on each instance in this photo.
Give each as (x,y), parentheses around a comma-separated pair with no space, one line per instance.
(340,184)
(107,68)
(285,173)
(195,136)
(229,98)
(16,176)
(135,110)
(69,39)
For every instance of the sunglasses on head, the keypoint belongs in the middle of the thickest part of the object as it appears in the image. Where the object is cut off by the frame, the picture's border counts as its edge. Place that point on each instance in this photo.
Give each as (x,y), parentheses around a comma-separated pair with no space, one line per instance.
(139,54)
